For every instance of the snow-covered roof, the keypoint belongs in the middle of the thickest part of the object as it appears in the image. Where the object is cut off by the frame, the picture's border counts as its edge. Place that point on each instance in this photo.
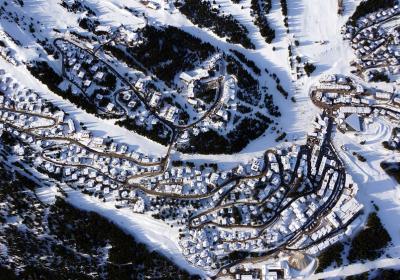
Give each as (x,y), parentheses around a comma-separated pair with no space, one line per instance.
(354,122)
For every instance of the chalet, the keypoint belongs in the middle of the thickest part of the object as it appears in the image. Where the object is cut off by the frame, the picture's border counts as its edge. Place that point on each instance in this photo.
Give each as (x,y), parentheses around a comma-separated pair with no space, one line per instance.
(84,134)
(99,76)
(123,149)
(59,116)
(132,104)
(359,89)
(189,77)
(207,83)
(256,165)
(155,99)
(81,74)
(97,142)
(150,4)
(110,107)
(94,68)
(76,68)
(171,113)
(71,126)
(186,78)
(126,96)
(383,95)
(113,147)
(87,83)
(103,30)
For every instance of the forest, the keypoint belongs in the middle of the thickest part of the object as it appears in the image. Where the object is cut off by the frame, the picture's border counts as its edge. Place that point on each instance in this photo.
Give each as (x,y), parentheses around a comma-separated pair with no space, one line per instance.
(261,8)
(369,6)
(168,51)
(368,244)
(59,241)
(248,129)
(202,14)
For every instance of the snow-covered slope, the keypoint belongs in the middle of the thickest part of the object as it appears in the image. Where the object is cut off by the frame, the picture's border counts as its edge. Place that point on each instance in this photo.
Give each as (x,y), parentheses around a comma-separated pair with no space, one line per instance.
(315,37)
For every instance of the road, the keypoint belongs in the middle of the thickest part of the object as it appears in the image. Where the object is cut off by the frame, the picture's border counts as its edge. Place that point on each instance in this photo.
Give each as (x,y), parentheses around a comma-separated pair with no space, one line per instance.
(290,193)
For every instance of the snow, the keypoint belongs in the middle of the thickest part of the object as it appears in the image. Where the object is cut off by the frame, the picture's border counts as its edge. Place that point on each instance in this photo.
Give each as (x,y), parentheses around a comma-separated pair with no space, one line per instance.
(264,57)
(99,128)
(375,185)
(112,12)
(310,21)
(46,194)
(358,268)
(354,121)
(306,22)
(158,235)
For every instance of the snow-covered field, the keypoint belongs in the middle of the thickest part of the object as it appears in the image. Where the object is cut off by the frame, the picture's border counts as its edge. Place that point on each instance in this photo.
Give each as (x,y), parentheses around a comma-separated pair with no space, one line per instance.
(375,185)
(358,268)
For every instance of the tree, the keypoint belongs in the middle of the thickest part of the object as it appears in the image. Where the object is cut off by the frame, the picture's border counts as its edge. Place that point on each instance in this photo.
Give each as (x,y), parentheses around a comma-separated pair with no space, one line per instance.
(309,68)
(368,243)
(330,255)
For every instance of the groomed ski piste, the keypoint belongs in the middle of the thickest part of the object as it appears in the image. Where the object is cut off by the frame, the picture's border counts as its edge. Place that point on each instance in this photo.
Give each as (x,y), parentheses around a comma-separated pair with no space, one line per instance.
(309,21)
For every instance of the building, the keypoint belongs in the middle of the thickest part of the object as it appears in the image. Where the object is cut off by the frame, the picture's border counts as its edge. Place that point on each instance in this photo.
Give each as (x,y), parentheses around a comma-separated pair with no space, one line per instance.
(71,126)
(354,122)
(155,99)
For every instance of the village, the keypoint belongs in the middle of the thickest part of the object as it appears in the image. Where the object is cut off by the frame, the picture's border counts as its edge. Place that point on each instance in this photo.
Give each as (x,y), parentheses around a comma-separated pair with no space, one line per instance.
(193,144)
(375,39)
(273,209)
(354,106)
(195,90)
(256,208)
(64,142)
(208,96)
